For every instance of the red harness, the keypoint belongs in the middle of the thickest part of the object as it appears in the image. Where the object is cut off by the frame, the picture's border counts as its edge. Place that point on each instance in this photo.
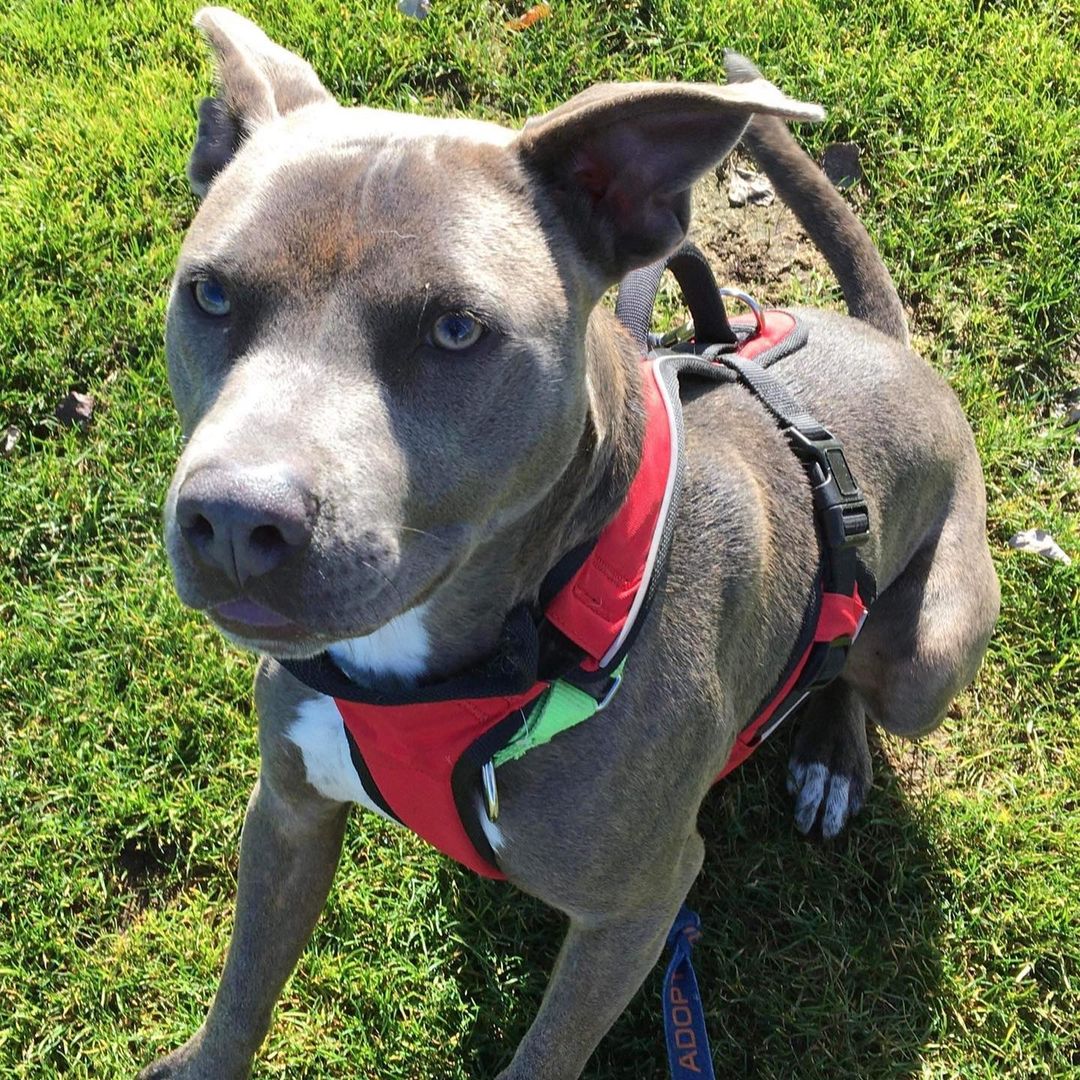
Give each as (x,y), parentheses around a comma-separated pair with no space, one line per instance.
(411,751)
(419,760)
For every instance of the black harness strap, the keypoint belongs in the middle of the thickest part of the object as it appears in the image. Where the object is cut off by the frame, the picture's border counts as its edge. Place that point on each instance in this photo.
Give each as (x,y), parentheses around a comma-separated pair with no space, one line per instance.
(510,669)
(840,510)
(839,505)
(768,389)
(637,298)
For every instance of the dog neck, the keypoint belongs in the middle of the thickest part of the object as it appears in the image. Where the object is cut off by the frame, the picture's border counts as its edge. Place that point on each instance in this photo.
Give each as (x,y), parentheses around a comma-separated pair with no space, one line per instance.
(462,621)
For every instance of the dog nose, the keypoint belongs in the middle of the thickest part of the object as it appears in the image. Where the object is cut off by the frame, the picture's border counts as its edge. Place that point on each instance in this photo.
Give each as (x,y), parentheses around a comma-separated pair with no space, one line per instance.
(245,522)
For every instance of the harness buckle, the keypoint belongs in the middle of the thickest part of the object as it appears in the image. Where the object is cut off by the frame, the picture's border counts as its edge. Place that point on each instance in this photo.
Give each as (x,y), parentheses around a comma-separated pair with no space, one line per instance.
(609,693)
(838,500)
(677,335)
(489,785)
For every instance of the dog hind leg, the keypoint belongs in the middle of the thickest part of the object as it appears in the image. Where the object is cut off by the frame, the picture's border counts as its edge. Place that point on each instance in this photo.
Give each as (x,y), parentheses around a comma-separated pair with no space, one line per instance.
(922,644)
(925,636)
(829,771)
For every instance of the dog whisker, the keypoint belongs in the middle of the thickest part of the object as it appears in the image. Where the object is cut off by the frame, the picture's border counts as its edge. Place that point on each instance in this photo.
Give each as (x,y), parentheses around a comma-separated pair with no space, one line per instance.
(430,535)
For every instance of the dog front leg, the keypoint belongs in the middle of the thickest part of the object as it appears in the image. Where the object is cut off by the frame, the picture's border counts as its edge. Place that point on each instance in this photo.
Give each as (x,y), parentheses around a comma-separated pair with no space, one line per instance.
(602,963)
(289,851)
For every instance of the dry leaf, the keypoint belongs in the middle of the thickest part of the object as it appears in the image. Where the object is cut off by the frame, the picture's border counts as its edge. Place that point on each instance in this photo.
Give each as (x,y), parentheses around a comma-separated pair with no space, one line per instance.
(749,187)
(75,409)
(533,15)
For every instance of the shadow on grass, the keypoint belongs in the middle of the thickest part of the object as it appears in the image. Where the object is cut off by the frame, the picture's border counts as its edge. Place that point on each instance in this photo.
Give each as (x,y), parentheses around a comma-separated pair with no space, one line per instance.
(817,960)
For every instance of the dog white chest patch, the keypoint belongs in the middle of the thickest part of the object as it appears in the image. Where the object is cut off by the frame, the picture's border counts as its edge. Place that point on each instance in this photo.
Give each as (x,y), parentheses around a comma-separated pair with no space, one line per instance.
(400,648)
(319,734)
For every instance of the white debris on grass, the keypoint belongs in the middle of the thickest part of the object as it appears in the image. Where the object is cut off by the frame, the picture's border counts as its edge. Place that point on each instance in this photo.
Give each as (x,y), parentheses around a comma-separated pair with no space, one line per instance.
(415,9)
(747,187)
(1039,542)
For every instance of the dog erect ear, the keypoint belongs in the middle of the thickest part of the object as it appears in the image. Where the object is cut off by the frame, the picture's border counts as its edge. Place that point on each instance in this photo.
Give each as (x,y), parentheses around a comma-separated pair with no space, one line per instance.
(619,159)
(257,81)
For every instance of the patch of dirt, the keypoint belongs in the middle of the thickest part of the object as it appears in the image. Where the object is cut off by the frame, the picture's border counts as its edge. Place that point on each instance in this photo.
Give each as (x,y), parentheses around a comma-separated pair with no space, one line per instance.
(146,872)
(76,410)
(760,249)
(923,766)
(143,858)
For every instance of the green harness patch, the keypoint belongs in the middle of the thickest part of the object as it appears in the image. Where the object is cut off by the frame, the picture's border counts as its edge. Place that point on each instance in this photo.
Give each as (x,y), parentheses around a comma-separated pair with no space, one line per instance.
(560,707)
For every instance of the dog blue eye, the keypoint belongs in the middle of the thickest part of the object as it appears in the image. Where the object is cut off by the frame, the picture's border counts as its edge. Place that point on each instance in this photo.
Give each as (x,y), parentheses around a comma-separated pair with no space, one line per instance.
(455,331)
(211,296)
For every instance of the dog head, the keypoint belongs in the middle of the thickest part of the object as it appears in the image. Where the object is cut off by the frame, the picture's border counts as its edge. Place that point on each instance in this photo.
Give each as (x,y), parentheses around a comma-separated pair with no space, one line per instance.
(377,329)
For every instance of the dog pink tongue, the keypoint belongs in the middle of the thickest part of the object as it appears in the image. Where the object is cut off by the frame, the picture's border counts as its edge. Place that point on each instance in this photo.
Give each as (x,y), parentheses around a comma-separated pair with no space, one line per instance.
(250,612)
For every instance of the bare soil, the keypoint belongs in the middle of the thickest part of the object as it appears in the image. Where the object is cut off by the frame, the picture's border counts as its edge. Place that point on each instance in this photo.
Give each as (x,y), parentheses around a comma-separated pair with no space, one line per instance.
(759,249)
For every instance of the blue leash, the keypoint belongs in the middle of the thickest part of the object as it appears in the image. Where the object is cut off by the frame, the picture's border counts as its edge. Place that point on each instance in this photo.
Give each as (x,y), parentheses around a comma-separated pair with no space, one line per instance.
(684,1016)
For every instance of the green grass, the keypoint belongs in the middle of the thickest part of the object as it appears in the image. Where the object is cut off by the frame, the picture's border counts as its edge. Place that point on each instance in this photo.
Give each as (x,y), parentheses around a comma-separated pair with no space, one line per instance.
(940,939)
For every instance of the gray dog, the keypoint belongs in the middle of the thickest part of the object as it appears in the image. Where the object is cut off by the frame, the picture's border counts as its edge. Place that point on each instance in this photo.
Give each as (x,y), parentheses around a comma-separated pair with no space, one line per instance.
(404,407)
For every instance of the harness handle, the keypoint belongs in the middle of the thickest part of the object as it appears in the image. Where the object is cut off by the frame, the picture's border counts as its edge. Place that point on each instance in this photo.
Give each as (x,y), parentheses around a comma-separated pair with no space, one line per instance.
(637,297)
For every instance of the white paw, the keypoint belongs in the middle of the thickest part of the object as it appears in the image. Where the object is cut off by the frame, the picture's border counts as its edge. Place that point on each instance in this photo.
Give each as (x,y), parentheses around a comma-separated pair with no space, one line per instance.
(820,793)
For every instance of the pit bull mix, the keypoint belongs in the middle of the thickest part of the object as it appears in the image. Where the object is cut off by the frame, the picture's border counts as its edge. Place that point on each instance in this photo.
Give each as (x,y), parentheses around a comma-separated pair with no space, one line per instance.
(404,407)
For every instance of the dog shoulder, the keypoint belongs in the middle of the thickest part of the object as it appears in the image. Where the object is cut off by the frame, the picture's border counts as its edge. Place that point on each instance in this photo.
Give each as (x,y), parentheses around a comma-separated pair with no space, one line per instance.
(305,751)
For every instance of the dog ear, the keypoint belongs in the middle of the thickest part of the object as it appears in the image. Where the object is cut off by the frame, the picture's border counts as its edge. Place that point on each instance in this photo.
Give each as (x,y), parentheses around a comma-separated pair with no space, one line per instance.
(618,160)
(257,81)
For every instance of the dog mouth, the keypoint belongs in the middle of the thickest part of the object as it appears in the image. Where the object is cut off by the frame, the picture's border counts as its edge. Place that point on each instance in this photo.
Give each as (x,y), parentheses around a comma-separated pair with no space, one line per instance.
(288,616)
(252,624)
(245,612)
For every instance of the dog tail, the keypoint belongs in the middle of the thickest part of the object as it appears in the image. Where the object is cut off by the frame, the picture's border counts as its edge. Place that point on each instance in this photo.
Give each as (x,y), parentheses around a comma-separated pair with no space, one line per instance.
(829,222)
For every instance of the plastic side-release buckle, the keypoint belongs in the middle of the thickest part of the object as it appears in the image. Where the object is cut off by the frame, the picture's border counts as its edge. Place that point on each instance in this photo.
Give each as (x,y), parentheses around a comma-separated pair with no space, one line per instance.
(838,499)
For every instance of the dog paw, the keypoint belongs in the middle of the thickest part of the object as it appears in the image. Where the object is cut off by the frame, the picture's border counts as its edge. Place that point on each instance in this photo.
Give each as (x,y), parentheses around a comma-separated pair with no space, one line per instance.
(188,1063)
(829,773)
(822,795)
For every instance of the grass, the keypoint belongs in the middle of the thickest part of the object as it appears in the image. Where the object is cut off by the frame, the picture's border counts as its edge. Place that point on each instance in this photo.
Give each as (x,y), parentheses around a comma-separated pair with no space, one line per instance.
(940,939)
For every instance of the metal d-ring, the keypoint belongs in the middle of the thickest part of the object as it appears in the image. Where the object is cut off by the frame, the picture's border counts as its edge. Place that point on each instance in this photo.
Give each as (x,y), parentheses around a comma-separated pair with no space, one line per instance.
(491,790)
(605,701)
(751,303)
